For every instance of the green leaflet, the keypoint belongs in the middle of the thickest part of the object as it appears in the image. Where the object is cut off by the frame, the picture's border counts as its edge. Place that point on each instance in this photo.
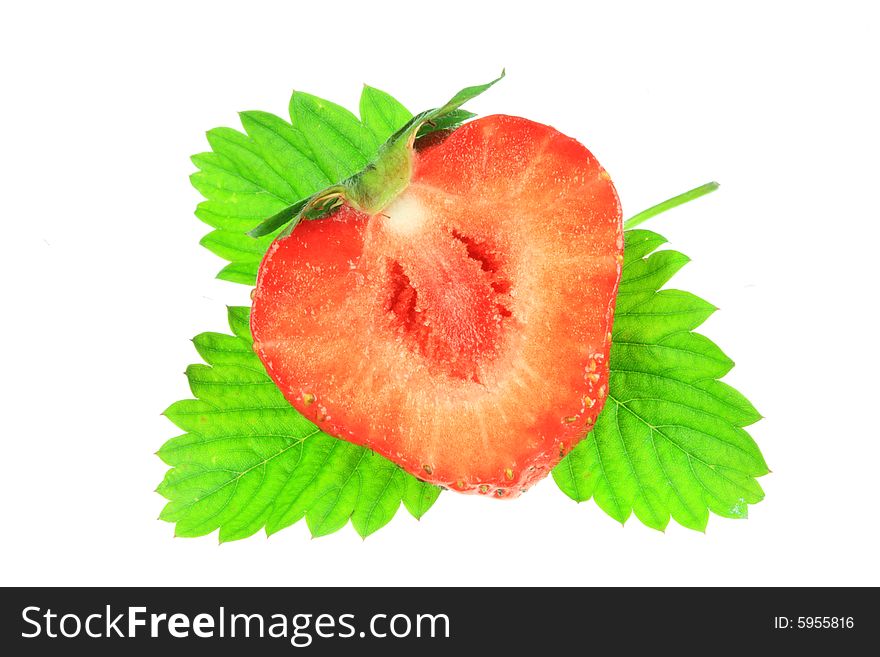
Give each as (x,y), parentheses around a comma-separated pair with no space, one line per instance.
(382,114)
(340,144)
(249,460)
(670,441)
(387,174)
(251,176)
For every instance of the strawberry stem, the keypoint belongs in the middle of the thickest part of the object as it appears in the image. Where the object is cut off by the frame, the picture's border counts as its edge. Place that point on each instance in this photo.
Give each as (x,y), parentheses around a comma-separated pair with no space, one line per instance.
(668,204)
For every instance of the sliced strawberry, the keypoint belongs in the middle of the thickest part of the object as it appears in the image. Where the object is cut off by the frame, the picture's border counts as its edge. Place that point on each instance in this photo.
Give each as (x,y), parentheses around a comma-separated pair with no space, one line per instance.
(462,332)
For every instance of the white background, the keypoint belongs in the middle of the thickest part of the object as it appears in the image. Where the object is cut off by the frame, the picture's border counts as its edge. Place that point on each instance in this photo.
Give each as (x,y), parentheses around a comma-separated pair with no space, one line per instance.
(104,282)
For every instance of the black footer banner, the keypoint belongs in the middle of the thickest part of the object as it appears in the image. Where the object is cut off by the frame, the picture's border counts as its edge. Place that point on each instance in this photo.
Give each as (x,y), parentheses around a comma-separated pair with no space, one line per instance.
(339,621)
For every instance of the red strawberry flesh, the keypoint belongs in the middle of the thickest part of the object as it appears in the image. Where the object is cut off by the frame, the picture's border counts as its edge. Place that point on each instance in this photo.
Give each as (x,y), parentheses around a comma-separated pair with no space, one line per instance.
(463,332)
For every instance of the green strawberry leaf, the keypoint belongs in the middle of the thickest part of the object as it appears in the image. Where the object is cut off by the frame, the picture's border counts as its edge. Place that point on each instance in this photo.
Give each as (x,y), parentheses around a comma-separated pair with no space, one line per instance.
(250,176)
(670,441)
(341,145)
(274,168)
(381,113)
(249,460)
(384,174)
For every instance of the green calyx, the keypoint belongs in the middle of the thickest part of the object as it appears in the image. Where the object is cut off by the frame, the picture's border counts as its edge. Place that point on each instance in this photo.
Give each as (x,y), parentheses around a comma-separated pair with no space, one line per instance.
(384,178)
(387,175)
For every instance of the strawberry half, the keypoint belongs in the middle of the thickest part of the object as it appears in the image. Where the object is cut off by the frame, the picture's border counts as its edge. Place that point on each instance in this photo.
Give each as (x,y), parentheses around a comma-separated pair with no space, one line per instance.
(463,329)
